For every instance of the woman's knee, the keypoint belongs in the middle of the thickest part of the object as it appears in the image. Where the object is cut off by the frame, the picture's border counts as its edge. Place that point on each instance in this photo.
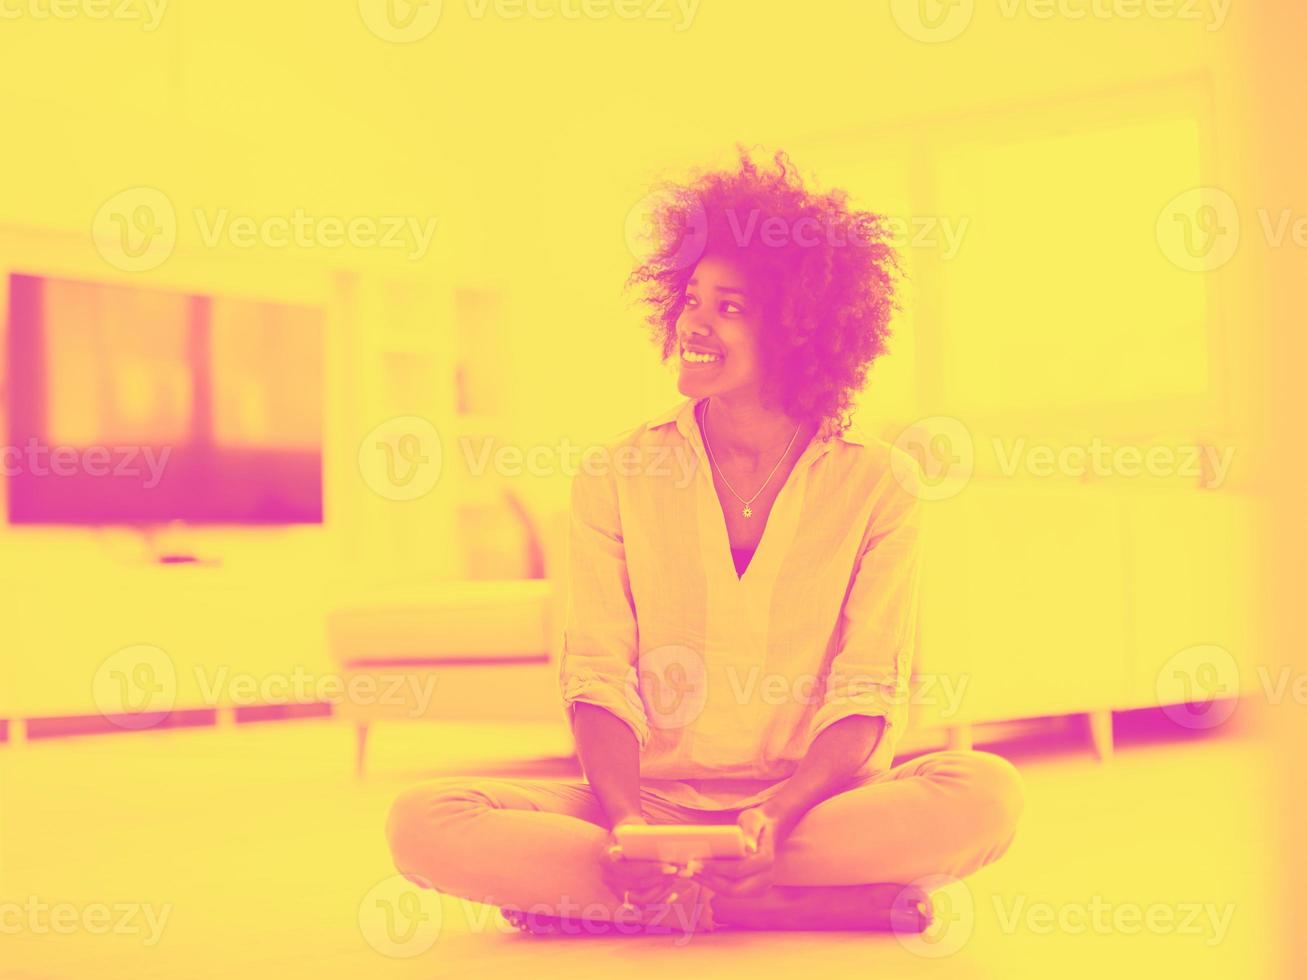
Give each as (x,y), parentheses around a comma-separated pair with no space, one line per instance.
(419,825)
(999,796)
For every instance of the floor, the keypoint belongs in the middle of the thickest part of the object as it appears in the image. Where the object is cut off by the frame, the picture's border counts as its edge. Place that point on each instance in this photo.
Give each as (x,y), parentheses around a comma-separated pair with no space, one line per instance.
(253,852)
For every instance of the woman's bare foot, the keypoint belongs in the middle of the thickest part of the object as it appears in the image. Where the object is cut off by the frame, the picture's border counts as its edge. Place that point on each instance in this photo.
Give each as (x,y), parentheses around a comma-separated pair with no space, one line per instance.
(880,907)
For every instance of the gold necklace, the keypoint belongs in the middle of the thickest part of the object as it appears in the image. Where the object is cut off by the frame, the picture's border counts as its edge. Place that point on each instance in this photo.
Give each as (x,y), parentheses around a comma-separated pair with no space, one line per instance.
(748,509)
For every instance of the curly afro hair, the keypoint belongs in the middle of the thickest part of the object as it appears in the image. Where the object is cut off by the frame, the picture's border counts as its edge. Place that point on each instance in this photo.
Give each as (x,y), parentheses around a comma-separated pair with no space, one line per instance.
(826,273)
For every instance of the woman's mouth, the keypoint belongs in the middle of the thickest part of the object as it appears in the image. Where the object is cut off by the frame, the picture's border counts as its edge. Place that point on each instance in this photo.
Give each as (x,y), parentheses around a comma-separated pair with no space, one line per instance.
(698,357)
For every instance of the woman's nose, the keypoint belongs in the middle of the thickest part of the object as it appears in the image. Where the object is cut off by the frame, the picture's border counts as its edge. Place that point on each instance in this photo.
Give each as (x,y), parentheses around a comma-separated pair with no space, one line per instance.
(692,327)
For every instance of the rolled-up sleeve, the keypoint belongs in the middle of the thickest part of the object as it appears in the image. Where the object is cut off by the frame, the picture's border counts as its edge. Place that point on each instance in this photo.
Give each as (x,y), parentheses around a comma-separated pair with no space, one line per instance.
(870,672)
(600,636)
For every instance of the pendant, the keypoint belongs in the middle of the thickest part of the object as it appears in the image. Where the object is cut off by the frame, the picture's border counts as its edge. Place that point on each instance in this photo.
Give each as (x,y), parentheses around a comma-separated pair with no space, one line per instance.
(748,511)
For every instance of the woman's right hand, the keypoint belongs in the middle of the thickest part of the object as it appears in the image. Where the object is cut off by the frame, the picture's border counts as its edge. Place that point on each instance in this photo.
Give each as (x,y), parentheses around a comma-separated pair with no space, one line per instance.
(639,882)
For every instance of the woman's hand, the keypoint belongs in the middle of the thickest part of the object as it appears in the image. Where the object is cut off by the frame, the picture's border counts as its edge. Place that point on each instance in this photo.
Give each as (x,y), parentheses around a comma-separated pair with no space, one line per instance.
(637,882)
(751,875)
(837,752)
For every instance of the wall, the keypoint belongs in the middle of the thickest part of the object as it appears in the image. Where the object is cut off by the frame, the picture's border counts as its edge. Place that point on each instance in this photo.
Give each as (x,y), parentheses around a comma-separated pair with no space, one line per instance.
(530,186)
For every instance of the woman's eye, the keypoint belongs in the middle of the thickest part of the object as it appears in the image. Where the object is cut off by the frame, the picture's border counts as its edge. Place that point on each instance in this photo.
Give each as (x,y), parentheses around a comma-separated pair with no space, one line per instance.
(730,307)
(691,301)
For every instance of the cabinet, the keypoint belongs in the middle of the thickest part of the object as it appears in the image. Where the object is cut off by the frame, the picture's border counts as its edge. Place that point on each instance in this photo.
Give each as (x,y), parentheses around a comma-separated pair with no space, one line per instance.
(1063,600)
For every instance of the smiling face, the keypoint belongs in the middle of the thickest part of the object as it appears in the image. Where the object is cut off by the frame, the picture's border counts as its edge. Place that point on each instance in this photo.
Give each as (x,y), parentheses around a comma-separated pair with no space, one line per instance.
(718,332)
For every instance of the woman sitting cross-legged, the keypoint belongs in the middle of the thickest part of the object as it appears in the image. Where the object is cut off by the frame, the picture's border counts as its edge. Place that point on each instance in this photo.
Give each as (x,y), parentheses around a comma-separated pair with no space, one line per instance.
(742,603)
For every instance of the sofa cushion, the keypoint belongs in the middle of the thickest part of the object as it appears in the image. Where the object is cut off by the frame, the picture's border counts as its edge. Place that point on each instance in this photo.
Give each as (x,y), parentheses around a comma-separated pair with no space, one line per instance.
(446,621)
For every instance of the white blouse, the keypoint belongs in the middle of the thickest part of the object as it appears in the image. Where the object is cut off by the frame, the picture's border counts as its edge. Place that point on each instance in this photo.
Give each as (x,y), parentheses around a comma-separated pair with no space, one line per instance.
(725,679)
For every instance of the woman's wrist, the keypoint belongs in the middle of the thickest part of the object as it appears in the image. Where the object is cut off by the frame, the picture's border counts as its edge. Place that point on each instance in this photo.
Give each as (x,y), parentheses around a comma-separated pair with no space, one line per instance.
(783,814)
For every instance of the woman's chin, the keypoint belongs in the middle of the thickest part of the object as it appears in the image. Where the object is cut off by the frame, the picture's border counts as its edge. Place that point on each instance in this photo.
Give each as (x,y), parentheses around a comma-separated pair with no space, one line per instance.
(694,384)
(689,387)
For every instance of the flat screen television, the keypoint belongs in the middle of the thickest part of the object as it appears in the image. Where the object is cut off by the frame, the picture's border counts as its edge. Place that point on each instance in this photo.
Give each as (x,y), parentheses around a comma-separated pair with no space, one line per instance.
(143,406)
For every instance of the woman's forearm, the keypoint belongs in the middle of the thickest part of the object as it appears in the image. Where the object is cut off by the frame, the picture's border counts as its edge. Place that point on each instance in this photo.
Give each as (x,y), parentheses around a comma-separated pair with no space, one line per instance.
(835,754)
(610,756)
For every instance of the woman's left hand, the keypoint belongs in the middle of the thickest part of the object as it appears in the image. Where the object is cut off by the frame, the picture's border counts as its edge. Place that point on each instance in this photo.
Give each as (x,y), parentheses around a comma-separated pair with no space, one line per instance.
(750,875)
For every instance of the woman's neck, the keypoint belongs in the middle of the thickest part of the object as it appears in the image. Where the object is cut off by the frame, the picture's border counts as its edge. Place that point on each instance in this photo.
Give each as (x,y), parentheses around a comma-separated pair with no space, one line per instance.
(744,427)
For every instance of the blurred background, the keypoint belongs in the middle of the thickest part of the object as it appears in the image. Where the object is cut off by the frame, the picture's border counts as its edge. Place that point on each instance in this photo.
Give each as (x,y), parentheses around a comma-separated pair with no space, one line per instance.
(311,311)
